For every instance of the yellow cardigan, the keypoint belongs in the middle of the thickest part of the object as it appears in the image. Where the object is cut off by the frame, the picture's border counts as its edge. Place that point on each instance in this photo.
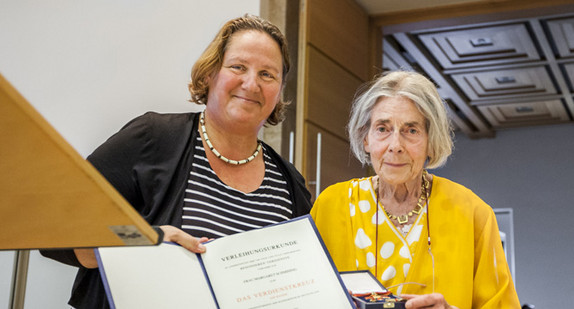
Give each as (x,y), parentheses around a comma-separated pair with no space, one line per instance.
(470,267)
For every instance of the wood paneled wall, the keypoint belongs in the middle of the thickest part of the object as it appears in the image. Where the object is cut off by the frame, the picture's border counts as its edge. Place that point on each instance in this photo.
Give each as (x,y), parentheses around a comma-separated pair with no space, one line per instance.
(334,60)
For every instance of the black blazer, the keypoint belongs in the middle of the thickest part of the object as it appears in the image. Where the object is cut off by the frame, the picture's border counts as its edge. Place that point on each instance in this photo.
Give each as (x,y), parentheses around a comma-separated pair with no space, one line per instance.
(148,161)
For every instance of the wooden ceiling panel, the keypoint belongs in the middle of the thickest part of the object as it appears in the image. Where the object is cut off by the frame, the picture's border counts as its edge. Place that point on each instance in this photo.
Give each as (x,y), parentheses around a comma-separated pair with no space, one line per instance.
(525,114)
(503,73)
(569,70)
(562,34)
(479,46)
(505,84)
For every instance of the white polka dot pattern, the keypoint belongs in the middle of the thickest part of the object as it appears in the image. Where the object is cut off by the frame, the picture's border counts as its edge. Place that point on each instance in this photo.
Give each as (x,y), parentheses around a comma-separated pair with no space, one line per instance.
(381,217)
(365,185)
(370,259)
(362,240)
(389,273)
(406,268)
(404,252)
(364,206)
(387,250)
(393,257)
(415,234)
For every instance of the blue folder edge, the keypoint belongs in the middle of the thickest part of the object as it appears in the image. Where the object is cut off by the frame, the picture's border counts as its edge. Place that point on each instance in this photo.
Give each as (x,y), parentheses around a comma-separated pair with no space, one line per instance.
(104,279)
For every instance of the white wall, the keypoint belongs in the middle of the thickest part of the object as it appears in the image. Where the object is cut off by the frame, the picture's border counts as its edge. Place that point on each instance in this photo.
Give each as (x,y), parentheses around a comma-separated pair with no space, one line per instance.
(89,67)
(530,170)
(6,265)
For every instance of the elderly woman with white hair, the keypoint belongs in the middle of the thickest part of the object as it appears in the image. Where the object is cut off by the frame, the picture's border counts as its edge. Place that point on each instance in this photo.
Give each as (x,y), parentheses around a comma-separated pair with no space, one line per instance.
(428,239)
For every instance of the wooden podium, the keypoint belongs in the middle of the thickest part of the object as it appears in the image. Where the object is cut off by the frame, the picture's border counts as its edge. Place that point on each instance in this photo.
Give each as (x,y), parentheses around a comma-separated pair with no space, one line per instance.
(51,197)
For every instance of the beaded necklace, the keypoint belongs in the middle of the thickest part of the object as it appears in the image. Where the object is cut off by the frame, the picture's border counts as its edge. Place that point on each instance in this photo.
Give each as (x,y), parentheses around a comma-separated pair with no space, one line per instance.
(217,153)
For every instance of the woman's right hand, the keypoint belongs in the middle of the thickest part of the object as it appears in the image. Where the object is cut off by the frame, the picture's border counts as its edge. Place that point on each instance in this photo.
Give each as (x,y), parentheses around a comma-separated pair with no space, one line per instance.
(173,234)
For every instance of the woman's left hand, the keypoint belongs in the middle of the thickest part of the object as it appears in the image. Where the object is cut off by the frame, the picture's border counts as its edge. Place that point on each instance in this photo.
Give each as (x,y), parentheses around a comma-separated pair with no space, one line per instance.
(434,300)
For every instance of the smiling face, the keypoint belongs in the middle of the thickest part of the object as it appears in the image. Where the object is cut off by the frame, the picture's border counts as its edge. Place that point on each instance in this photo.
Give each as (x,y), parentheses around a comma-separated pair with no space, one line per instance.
(397,140)
(248,85)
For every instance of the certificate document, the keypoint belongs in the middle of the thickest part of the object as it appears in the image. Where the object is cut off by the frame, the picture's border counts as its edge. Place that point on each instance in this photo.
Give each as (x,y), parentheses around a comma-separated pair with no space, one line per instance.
(280,266)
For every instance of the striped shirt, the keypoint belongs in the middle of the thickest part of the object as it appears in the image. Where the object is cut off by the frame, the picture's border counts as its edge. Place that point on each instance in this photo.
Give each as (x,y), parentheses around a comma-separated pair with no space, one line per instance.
(213,209)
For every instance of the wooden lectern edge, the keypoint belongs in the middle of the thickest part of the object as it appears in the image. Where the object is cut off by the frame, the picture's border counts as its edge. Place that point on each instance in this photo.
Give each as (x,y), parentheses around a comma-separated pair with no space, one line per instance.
(151,234)
(93,174)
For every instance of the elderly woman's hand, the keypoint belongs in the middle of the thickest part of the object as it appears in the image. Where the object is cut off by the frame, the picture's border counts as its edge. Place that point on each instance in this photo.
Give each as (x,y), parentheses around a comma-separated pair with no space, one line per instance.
(193,244)
(434,300)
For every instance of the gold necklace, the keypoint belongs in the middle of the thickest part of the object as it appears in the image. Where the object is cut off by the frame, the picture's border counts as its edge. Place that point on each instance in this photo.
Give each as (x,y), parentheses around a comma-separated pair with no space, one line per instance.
(217,153)
(403,219)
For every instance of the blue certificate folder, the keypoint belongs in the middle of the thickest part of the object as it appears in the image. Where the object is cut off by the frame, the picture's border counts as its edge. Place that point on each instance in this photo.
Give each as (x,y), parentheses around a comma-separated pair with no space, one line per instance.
(285,265)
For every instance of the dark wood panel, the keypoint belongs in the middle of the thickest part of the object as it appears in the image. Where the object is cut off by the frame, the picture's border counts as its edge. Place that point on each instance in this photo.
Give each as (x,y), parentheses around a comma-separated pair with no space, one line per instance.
(337,162)
(468,13)
(340,29)
(330,93)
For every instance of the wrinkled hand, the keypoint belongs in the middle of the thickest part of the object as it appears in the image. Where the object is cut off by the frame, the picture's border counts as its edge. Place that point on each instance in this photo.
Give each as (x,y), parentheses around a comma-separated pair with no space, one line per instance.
(193,244)
(434,300)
